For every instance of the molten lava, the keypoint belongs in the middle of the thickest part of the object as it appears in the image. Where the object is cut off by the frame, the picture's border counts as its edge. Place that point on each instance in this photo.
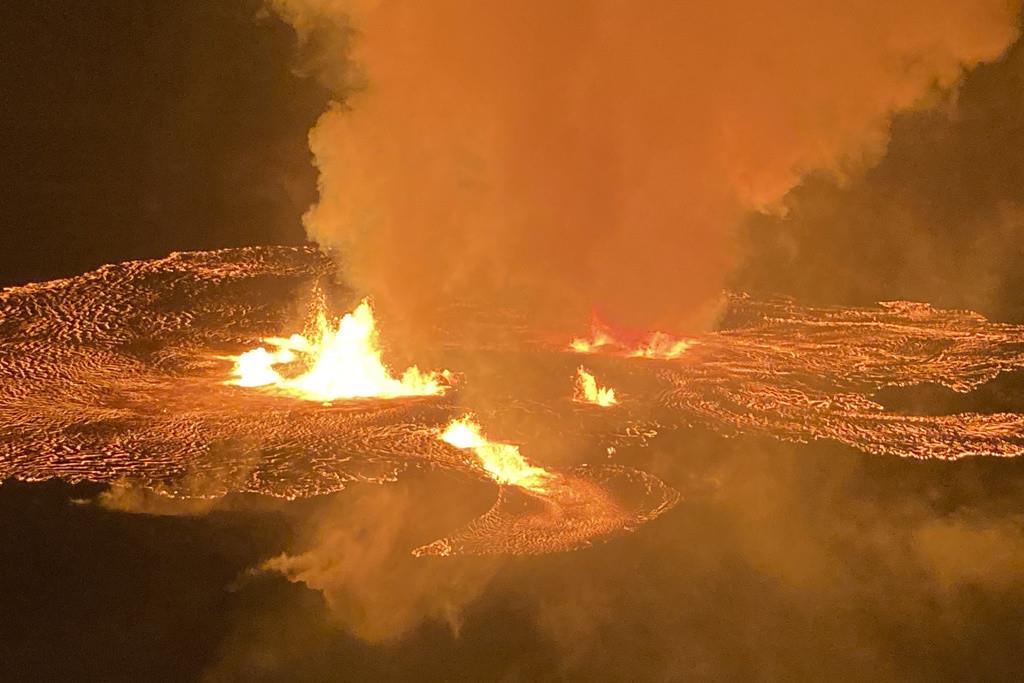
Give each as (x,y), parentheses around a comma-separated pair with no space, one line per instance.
(116,376)
(654,345)
(587,390)
(661,345)
(502,461)
(599,337)
(334,362)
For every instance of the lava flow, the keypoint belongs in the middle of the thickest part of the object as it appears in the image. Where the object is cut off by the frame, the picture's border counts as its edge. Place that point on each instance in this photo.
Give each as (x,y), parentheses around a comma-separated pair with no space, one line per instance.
(587,390)
(540,510)
(337,362)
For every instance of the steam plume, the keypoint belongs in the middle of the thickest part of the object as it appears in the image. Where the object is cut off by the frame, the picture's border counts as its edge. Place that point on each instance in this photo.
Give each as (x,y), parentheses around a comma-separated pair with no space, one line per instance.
(590,154)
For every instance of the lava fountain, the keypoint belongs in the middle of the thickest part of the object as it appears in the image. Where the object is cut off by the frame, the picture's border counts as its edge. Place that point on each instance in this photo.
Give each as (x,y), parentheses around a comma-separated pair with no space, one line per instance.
(540,510)
(658,345)
(336,362)
(502,461)
(587,390)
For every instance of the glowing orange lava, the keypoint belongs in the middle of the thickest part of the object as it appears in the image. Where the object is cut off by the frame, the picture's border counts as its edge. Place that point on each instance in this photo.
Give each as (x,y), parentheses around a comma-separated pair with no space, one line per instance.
(502,461)
(334,362)
(599,337)
(661,345)
(587,390)
(654,345)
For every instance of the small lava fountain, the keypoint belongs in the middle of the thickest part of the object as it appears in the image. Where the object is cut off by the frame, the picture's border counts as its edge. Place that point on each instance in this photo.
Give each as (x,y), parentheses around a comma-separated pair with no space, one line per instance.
(587,390)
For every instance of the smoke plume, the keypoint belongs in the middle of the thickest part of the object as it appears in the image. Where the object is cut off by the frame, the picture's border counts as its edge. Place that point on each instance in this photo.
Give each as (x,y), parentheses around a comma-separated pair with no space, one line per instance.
(357,555)
(596,155)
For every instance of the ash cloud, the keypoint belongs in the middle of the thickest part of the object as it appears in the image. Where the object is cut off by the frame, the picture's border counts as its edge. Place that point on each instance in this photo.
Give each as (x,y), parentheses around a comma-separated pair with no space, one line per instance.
(587,155)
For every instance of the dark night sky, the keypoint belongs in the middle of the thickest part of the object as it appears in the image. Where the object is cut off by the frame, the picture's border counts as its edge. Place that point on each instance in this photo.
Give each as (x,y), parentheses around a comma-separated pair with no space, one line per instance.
(132,129)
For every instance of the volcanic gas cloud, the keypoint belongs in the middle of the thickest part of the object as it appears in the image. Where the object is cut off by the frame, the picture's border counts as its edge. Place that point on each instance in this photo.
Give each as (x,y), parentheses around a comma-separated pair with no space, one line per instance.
(596,154)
